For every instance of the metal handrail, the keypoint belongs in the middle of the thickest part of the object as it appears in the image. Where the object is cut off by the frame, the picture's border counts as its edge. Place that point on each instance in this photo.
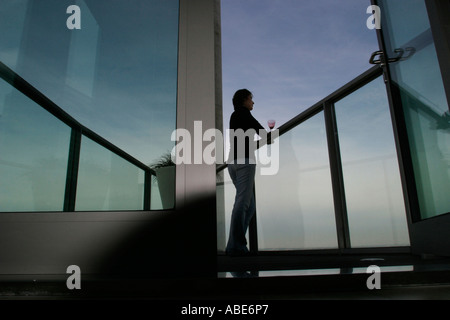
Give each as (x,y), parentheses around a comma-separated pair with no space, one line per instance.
(38,97)
(345,90)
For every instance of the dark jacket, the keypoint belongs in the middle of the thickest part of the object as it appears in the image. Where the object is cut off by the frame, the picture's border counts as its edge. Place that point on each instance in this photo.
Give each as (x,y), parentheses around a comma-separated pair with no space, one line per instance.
(243,119)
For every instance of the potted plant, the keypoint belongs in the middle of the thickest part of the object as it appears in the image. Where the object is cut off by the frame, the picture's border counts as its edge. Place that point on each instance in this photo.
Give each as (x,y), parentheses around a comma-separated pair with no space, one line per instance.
(164,169)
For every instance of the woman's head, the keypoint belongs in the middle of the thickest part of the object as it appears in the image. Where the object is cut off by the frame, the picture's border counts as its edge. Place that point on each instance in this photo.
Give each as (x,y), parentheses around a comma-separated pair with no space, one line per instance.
(243,98)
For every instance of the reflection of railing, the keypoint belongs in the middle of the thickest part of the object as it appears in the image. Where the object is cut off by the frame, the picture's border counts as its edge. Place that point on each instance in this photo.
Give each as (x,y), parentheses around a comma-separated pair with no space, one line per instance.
(78,130)
(420,102)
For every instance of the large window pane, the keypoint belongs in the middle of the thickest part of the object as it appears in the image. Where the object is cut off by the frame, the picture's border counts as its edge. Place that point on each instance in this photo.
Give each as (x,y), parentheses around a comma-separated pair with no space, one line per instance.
(116,75)
(107,181)
(425,105)
(295,208)
(34,148)
(373,190)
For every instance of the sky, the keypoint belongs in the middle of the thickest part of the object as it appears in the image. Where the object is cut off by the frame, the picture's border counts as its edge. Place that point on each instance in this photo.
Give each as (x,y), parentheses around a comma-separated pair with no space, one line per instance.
(292,53)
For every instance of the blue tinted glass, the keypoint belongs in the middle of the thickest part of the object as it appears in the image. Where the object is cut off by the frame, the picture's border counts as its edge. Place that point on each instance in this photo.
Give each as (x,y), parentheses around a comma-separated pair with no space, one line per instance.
(111,65)
(373,190)
(407,20)
(107,181)
(424,101)
(34,148)
(117,75)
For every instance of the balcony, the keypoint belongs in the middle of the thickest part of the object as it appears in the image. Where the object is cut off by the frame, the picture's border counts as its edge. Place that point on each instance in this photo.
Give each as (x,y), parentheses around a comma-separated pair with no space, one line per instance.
(334,208)
(316,239)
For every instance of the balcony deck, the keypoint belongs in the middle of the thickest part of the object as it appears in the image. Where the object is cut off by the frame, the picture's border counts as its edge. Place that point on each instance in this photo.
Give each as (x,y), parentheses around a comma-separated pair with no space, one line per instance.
(262,277)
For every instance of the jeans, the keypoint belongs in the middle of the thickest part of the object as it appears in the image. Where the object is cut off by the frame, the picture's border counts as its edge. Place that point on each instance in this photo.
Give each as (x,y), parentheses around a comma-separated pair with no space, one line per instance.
(243,177)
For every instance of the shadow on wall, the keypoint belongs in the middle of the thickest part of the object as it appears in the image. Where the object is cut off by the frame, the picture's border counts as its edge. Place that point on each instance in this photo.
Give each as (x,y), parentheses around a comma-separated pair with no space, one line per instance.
(177,244)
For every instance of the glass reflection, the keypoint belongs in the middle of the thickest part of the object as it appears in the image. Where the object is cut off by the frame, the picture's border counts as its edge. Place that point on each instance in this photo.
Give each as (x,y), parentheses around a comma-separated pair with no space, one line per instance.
(373,191)
(295,208)
(425,105)
(106,181)
(312,272)
(117,75)
(34,149)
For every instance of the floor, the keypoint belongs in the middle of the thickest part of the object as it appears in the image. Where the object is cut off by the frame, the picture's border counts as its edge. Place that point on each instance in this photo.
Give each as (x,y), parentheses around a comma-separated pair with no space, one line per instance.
(328,277)
(273,261)
(265,277)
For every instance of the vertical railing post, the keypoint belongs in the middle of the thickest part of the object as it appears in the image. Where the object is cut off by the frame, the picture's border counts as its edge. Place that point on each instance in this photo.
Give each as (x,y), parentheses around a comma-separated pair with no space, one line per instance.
(253,230)
(337,178)
(147,189)
(72,170)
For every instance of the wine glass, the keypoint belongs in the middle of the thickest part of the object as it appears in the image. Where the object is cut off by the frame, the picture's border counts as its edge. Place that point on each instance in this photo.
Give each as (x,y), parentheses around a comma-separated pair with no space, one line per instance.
(271,124)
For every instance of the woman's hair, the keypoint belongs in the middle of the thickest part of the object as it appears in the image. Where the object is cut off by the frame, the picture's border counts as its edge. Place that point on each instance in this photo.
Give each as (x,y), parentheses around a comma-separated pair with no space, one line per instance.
(239,97)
